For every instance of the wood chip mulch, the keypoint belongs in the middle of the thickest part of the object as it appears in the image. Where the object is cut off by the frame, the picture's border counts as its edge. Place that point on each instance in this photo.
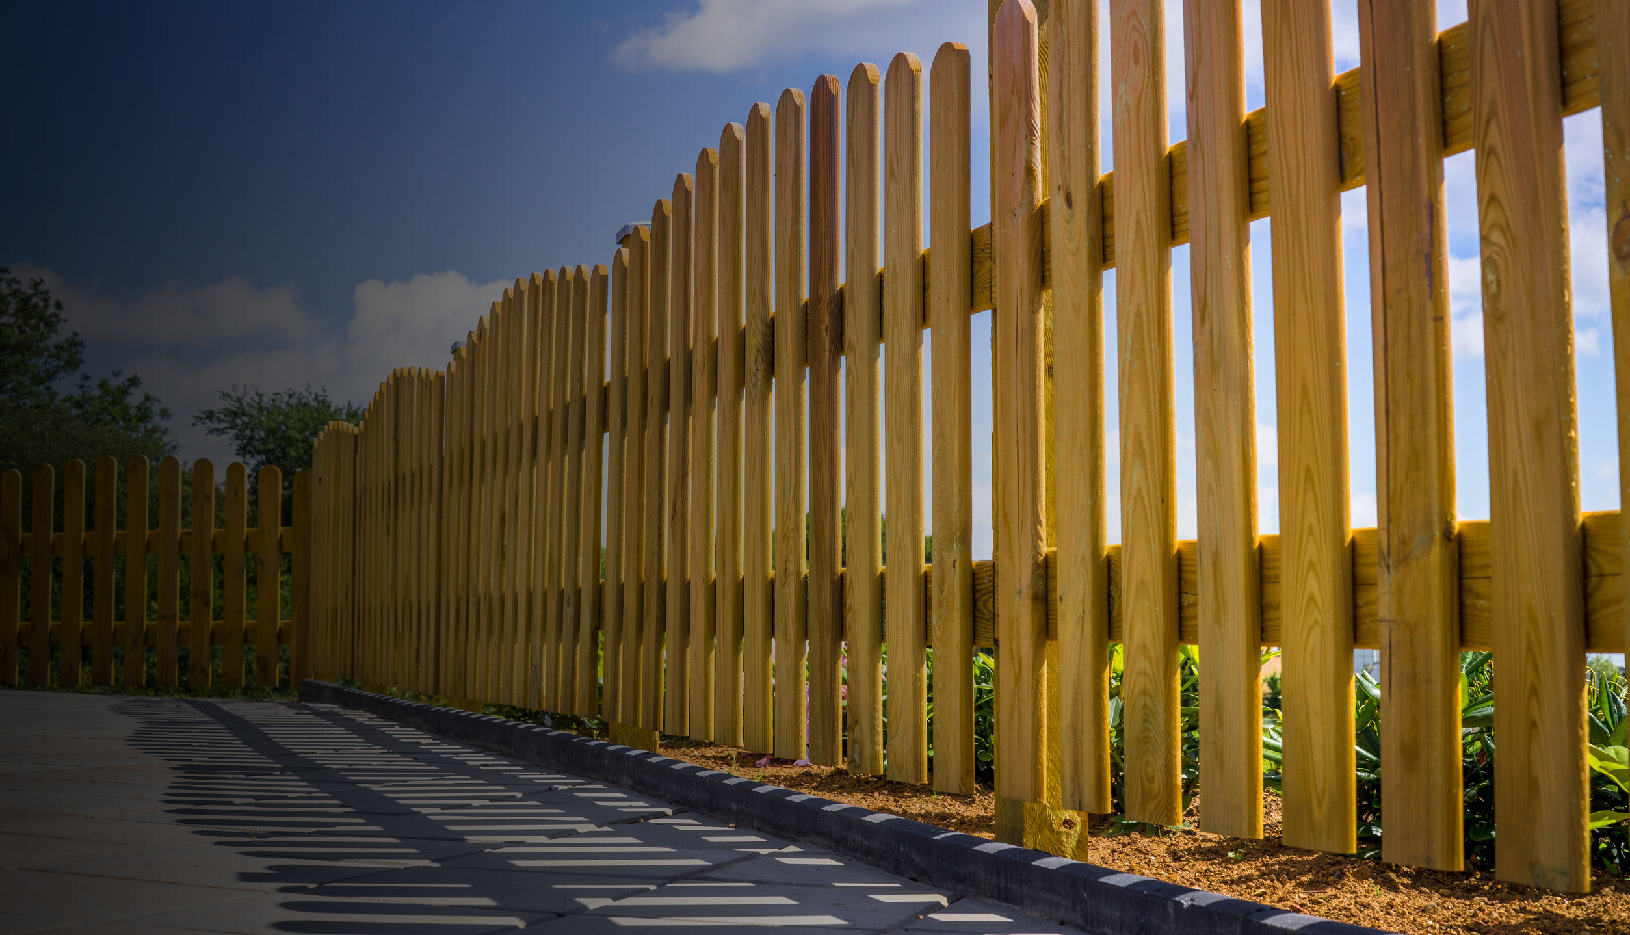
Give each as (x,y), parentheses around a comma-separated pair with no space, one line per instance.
(1365,892)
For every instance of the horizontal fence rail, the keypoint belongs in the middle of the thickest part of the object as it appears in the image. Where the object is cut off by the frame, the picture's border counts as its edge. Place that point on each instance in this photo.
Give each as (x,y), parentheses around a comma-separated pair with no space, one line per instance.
(617,501)
(134,577)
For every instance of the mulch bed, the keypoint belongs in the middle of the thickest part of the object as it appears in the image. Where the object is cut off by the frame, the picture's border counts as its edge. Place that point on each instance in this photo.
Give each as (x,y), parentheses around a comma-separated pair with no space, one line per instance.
(1365,892)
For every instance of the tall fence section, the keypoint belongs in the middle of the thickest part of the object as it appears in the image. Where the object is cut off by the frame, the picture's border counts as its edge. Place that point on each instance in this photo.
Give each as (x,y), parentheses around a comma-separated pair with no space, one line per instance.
(642,492)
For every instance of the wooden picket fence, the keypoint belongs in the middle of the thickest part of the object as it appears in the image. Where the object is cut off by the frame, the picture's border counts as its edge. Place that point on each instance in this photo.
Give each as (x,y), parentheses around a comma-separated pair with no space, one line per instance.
(695,545)
(134,577)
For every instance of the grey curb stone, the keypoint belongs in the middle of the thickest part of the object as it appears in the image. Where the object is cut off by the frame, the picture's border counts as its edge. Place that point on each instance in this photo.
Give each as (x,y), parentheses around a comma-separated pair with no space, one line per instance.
(1096,899)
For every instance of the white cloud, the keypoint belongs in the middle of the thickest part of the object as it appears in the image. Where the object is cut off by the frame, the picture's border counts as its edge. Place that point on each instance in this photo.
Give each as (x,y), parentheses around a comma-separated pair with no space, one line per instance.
(229,310)
(171,338)
(728,35)
(1465,306)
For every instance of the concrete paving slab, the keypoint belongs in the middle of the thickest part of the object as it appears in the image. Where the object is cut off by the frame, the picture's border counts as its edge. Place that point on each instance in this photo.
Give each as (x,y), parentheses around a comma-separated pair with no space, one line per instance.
(175,815)
(980,917)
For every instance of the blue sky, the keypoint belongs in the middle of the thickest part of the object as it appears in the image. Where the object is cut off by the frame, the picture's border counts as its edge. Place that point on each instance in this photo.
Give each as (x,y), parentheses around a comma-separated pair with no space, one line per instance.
(319,192)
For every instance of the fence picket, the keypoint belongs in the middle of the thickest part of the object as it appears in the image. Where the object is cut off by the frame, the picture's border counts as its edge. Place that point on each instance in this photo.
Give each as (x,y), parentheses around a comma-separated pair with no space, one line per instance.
(1311,363)
(791,704)
(1613,75)
(300,583)
(1082,582)
(590,652)
(1225,418)
(623,284)
(654,618)
(1542,798)
(551,480)
(903,316)
(727,670)
(201,606)
(11,573)
(704,339)
(639,302)
(676,568)
(572,544)
(133,636)
(268,572)
(103,553)
(950,178)
(863,345)
(1020,537)
(1418,587)
(824,340)
(758,713)
(232,571)
(72,608)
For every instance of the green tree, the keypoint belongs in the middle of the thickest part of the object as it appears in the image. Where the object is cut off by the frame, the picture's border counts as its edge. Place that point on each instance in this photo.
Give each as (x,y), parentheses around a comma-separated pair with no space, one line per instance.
(41,424)
(276,428)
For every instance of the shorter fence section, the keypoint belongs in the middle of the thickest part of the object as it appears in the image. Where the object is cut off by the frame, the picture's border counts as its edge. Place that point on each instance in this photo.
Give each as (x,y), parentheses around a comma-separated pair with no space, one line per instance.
(141,584)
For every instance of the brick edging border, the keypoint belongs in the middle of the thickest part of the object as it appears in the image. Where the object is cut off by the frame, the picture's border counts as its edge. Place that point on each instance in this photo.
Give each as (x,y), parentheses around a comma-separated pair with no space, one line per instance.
(1096,899)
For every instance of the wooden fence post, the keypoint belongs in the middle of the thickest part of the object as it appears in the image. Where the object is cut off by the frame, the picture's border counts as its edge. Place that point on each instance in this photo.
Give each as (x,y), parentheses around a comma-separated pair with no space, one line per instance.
(300,636)
(863,345)
(1542,798)
(39,576)
(574,549)
(1311,362)
(633,533)
(236,533)
(1613,77)
(169,569)
(71,656)
(201,613)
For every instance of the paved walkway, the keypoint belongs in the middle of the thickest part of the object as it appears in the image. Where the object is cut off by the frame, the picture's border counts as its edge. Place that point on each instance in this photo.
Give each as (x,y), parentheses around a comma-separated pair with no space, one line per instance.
(146,815)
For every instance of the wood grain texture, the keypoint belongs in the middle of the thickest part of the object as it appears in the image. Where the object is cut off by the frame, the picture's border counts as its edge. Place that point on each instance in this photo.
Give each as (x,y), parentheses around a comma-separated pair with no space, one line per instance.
(728,688)
(1148,444)
(951,622)
(72,608)
(1081,583)
(704,339)
(758,724)
(103,553)
(612,639)
(575,500)
(1613,54)
(653,502)
(791,707)
(863,348)
(1311,356)
(633,534)
(592,679)
(1020,528)
(903,315)
(1224,418)
(201,593)
(825,350)
(439,554)
(236,527)
(138,487)
(676,567)
(1541,795)
(1418,586)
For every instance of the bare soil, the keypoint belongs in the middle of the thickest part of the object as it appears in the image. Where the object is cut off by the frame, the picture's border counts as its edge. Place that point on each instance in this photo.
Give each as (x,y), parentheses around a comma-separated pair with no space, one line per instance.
(1364,892)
